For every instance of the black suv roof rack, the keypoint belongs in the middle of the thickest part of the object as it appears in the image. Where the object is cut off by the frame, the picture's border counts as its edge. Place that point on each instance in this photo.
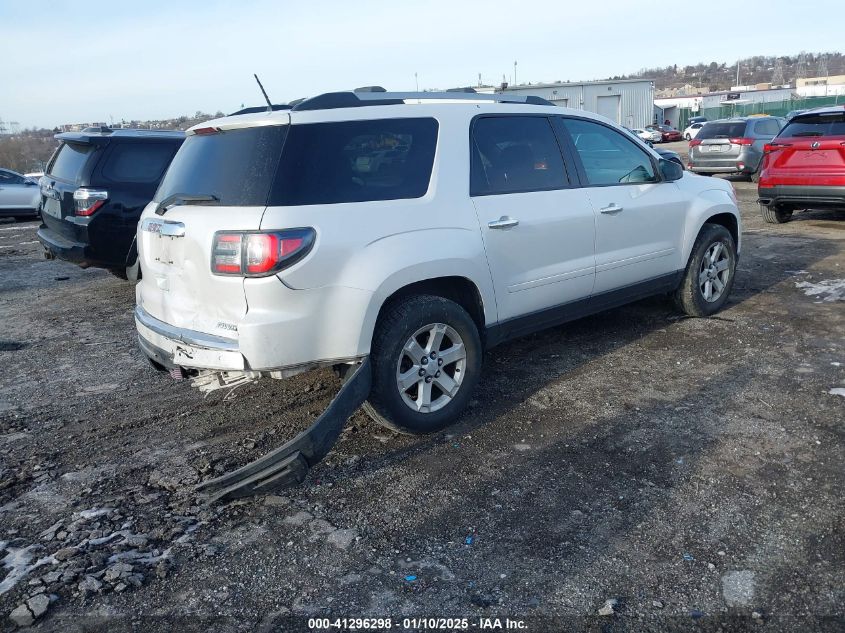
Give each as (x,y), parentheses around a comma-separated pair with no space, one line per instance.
(356,99)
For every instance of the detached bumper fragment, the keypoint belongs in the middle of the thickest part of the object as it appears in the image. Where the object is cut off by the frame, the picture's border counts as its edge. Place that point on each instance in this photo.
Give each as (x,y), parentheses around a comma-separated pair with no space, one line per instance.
(288,465)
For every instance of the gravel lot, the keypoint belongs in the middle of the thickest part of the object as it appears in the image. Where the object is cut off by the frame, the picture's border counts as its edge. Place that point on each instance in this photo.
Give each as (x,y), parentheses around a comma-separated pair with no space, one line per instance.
(630,471)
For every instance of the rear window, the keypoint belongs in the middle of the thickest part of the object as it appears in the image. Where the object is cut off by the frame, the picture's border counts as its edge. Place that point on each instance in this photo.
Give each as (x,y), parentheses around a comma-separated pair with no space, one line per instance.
(235,166)
(735,129)
(70,161)
(356,161)
(816,125)
(138,162)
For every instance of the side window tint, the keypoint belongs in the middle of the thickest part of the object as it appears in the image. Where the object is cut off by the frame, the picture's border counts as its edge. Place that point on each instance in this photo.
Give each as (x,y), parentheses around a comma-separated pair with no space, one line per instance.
(138,162)
(356,161)
(767,127)
(608,157)
(515,154)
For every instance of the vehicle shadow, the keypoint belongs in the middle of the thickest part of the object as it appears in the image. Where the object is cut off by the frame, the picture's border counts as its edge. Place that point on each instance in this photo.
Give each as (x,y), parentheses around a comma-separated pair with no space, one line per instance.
(516,371)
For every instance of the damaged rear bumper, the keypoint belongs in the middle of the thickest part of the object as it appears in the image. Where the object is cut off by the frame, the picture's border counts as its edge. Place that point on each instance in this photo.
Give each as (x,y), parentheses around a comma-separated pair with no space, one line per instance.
(173,347)
(287,465)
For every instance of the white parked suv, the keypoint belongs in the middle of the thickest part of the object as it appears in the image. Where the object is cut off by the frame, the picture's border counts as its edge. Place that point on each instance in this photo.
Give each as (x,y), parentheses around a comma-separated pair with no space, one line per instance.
(416,230)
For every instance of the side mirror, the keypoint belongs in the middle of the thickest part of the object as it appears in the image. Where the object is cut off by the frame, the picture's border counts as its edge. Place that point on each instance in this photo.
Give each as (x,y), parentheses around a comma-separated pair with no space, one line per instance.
(670,170)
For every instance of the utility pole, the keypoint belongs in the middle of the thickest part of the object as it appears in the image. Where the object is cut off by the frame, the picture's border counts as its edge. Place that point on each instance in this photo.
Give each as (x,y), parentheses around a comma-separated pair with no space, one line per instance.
(737,73)
(417,82)
(514,73)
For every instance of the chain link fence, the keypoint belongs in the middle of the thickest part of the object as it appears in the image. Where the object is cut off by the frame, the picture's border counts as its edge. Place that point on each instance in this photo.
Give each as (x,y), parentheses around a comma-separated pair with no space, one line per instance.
(773,108)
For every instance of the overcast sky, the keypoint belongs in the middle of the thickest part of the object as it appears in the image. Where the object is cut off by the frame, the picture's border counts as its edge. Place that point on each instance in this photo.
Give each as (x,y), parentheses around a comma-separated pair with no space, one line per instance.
(80,61)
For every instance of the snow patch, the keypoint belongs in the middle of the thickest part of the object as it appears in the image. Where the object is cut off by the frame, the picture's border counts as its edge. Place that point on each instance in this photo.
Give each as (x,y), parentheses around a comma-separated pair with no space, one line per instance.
(827,290)
(92,513)
(17,562)
(837,391)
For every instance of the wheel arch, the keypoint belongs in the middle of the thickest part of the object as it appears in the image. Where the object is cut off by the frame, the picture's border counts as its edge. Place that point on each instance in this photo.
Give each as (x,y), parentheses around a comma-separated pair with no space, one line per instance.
(729,221)
(464,290)
(714,206)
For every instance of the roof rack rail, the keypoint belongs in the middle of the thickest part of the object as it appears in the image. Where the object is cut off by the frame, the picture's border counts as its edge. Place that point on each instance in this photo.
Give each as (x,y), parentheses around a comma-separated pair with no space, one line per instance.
(254,109)
(332,100)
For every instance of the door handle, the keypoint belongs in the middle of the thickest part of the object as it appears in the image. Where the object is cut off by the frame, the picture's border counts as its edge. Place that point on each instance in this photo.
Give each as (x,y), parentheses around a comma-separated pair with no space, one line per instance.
(612,209)
(504,222)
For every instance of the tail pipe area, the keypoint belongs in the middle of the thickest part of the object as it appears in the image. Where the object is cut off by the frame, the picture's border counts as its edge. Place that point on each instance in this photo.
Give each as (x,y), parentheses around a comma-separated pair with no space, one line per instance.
(288,465)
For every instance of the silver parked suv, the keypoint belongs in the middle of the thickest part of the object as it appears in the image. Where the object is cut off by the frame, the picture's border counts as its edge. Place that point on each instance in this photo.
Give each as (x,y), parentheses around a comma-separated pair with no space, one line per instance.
(414,230)
(733,146)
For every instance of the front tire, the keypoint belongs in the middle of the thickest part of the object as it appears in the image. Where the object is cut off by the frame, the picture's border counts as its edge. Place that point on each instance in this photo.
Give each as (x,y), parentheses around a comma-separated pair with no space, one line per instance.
(775,214)
(710,272)
(426,357)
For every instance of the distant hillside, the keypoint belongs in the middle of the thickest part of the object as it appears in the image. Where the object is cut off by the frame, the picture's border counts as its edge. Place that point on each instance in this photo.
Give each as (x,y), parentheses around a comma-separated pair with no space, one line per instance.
(717,76)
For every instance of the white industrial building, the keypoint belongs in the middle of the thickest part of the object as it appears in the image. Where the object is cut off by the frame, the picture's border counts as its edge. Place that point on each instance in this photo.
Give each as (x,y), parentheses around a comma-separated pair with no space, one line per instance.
(629,102)
(821,86)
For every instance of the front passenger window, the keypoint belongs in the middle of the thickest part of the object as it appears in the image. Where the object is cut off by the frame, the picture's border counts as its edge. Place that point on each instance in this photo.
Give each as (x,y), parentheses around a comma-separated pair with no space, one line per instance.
(608,157)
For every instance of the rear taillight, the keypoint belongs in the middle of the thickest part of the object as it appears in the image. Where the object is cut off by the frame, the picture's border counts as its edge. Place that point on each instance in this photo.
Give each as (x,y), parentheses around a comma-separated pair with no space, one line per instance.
(694,142)
(86,201)
(768,148)
(260,253)
(741,141)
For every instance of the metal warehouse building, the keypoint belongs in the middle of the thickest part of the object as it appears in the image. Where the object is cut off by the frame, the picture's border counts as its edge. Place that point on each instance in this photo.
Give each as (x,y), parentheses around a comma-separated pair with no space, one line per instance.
(627,101)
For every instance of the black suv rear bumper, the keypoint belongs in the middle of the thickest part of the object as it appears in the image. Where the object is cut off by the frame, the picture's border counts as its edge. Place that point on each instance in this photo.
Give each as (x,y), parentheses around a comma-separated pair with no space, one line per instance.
(61,247)
(798,196)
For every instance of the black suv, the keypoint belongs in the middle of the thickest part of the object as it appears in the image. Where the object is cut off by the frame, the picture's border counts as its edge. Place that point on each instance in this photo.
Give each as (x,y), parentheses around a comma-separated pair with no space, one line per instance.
(93,192)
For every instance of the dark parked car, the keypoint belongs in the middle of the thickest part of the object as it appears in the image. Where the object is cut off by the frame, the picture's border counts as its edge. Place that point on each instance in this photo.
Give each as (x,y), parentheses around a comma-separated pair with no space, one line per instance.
(732,146)
(18,196)
(93,192)
(804,166)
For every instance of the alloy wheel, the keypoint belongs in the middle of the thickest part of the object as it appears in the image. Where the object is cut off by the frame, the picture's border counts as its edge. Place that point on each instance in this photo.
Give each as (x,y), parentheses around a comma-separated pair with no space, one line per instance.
(431,367)
(715,272)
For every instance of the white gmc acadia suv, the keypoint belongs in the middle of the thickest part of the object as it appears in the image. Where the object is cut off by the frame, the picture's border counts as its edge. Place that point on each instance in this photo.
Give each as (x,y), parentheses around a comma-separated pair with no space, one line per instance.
(417,229)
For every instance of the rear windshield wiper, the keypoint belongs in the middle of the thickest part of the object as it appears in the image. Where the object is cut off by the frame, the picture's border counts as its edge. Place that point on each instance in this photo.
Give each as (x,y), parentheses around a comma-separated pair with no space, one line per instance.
(183,198)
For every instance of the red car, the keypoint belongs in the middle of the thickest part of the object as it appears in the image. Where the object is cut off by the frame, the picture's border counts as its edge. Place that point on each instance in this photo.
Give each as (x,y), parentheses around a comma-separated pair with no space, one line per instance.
(667,132)
(804,165)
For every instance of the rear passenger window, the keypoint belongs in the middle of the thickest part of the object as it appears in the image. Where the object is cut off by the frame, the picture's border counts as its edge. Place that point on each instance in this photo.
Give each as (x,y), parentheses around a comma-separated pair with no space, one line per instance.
(767,127)
(608,156)
(515,154)
(69,161)
(355,161)
(138,162)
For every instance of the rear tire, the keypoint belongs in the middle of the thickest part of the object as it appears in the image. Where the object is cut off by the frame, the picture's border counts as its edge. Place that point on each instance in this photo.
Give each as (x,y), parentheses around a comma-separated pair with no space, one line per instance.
(775,214)
(688,137)
(429,335)
(709,276)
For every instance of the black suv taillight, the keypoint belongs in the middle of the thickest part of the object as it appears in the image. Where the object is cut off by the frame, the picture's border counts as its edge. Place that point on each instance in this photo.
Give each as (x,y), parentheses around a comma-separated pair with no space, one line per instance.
(86,201)
(258,254)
